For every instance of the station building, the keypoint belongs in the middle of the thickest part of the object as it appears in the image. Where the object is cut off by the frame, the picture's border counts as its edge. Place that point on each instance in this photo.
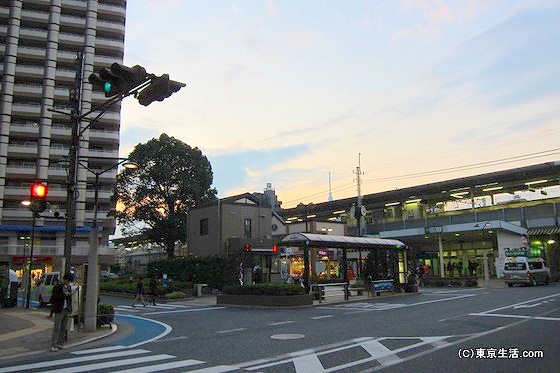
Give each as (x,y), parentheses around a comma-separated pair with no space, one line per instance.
(460,226)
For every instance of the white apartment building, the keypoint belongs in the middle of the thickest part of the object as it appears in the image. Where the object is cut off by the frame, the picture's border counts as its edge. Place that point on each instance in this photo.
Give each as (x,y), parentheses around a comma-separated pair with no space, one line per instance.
(39,41)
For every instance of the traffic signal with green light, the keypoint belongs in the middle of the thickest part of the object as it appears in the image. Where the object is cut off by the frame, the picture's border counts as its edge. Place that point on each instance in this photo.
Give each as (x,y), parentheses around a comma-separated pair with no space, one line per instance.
(118,79)
(39,192)
(160,88)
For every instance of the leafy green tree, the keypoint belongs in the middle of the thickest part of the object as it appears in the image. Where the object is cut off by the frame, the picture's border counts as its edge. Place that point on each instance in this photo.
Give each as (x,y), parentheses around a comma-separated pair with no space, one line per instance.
(154,200)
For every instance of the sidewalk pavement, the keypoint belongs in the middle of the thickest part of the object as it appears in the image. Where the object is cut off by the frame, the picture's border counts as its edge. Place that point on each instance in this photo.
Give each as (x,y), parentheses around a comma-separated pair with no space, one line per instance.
(28,332)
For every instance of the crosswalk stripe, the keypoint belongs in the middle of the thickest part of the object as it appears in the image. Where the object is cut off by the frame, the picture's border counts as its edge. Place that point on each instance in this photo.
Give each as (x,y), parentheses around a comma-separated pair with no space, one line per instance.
(125,309)
(160,367)
(110,364)
(72,360)
(216,369)
(100,349)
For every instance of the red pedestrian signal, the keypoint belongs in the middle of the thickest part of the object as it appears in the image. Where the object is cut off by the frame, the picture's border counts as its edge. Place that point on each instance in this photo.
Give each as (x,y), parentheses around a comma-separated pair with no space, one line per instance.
(275,249)
(39,194)
(247,247)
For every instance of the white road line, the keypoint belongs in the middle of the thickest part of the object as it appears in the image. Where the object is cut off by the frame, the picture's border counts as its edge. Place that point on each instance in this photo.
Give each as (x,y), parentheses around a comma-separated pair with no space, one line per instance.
(230,330)
(321,317)
(516,316)
(125,309)
(166,331)
(517,304)
(81,359)
(171,339)
(96,350)
(160,367)
(161,307)
(308,364)
(179,311)
(110,364)
(379,352)
(216,369)
(281,323)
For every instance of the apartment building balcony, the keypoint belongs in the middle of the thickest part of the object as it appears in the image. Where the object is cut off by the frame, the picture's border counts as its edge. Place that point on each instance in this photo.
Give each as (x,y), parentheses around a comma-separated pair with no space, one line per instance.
(111,9)
(24,128)
(20,170)
(104,136)
(18,150)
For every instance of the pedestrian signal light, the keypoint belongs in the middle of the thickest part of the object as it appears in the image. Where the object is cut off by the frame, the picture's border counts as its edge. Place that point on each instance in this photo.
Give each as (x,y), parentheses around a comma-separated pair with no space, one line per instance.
(247,247)
(275,249)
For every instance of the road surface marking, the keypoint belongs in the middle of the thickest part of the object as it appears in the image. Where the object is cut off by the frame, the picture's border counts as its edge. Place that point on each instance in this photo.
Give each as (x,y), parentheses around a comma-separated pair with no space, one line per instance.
(216,369)
(525,302)
(281,323)
(46,364)
(180,311)
(321,317)
(160,367)
(171,339)
(231,330)
(166,331)
(101,349)
(527,305)
(379,352)
(308,364)
(516,316)
(110,364)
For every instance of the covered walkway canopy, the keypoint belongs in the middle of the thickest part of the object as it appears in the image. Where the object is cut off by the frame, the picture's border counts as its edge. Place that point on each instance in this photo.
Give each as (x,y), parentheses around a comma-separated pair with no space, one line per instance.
(339,242)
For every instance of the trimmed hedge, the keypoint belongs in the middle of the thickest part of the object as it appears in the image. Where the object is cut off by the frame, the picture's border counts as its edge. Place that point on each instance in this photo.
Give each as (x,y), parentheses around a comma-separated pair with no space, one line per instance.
(105,314)
(265,289)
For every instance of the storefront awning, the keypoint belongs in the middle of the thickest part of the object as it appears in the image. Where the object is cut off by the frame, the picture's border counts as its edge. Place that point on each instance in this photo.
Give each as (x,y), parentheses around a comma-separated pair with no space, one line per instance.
(340,242)
(543,231)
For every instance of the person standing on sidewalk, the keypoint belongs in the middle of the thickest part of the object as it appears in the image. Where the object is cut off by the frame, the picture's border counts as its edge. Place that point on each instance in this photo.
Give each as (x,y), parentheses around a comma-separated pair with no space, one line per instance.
(139,293)
(60,305)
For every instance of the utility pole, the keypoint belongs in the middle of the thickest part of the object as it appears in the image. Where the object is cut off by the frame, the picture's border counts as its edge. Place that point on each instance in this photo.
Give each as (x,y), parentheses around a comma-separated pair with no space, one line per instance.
(359,207)
(75,100)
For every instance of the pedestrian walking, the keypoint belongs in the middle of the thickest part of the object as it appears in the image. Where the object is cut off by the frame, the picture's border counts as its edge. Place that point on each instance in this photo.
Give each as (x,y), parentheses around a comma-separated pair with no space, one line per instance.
(61,303)
(153,290)
(139,297)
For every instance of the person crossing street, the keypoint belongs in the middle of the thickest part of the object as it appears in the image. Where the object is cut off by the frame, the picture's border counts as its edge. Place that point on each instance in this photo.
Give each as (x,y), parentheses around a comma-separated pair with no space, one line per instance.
(139,297)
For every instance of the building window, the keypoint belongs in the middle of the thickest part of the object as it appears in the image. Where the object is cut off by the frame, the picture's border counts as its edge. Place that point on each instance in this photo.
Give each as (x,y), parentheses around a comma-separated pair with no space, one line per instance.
(203,227)
(247,228)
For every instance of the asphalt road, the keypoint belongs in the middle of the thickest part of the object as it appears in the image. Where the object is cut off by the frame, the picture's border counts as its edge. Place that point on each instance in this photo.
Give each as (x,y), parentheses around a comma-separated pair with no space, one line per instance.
(506,329)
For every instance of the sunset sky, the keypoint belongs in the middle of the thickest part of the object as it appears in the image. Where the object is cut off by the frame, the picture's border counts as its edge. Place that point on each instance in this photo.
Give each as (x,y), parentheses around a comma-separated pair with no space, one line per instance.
(287,91)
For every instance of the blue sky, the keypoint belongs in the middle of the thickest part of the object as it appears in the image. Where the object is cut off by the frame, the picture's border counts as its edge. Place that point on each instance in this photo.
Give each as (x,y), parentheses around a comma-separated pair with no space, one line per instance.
(287,91)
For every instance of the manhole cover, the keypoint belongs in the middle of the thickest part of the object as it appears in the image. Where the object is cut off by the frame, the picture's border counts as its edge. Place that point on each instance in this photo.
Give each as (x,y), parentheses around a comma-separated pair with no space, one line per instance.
(288,336)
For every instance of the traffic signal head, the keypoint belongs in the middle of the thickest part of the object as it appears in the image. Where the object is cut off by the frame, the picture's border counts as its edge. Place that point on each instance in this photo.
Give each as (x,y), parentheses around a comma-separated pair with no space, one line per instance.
(39,194)
(160,88)
(118,79)
(275,249)
(247,247)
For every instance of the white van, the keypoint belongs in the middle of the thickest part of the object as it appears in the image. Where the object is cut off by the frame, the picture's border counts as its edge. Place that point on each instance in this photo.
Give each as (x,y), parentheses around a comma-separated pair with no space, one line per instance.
(44,289)
(525,270)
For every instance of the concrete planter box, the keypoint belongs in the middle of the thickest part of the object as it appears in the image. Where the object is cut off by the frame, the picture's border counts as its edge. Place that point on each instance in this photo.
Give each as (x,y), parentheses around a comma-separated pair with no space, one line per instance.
(265,300)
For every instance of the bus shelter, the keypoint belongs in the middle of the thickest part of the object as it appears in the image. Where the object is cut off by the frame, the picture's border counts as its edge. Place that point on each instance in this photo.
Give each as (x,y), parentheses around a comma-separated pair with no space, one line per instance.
(383,249)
